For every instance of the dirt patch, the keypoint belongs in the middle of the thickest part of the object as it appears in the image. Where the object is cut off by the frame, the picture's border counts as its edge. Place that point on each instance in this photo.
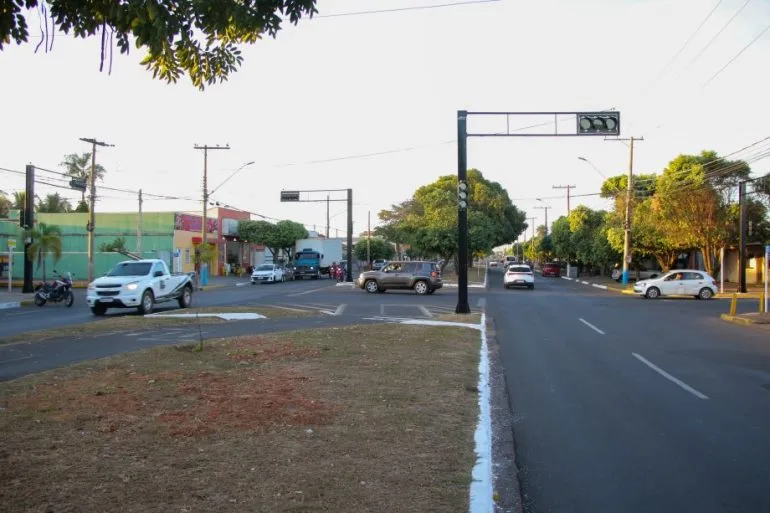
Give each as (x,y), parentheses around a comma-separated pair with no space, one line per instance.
(367,418)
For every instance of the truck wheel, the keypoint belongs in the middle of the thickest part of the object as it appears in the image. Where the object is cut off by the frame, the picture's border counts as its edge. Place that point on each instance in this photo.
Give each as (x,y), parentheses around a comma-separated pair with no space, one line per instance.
(148,301)
(98,309)
(186,298)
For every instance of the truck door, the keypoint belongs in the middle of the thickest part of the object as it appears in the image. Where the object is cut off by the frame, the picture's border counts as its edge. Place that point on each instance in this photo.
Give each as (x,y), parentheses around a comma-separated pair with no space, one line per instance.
(160,279)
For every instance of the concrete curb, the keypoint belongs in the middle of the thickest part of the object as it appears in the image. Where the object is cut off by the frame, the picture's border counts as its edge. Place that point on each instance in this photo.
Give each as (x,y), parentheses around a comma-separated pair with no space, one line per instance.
(744,321)
(507,495)
(10,304)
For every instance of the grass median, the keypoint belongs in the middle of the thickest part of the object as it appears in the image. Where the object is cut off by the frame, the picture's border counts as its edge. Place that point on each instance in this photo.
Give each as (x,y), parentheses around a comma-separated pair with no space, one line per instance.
(362,418)
(134,322)
(475,275)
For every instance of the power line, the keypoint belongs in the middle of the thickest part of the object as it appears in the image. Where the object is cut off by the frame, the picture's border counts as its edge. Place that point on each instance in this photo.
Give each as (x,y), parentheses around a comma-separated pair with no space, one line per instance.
(751,43)
(719,33)
(408,8)
(684,46)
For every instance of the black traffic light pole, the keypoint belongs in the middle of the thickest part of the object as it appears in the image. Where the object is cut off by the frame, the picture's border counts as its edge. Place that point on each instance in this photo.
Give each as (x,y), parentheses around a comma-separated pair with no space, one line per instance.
(27,222)
(293,197)
(601,123)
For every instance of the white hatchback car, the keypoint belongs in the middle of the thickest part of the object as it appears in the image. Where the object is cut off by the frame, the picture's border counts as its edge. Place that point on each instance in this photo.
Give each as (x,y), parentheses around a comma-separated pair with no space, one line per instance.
(681,282)
(519,275)
(267,273)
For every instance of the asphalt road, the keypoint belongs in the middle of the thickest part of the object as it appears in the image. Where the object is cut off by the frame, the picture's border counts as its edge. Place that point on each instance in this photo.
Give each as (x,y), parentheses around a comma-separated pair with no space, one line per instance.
(625,404)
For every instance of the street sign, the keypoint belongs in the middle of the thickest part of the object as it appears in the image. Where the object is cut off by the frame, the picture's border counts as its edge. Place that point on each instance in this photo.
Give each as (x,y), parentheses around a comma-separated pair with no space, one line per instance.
(598,123)
(11,244)
(289,195)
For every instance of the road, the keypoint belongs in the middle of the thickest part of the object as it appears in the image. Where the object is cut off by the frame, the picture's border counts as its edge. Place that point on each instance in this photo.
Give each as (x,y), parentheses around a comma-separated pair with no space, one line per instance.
(625,404)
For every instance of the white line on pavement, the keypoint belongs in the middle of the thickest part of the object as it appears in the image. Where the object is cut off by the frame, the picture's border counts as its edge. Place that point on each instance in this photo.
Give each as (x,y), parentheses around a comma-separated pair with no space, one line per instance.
(597,330)
(603,287)
(306,292)
(340,309)
(585,283)
(566,278)
(669,376)
(425,311)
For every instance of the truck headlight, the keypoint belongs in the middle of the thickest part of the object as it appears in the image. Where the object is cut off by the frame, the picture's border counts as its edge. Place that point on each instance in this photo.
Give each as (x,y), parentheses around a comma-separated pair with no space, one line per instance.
(311,267)
(131,286)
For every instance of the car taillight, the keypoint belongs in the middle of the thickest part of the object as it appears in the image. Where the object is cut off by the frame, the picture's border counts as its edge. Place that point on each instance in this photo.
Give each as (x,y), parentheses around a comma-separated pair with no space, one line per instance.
(434,274)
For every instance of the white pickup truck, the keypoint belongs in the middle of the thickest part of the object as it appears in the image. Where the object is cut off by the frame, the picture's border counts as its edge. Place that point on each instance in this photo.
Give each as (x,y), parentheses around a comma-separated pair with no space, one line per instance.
(138,284)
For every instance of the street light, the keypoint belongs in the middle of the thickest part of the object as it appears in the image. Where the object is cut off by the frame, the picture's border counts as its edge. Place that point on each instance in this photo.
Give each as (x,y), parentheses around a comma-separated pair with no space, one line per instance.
(593,166)
(232,175)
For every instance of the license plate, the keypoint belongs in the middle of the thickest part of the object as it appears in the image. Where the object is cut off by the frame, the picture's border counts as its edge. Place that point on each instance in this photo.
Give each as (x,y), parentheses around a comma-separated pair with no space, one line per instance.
(520,282)
(106,300)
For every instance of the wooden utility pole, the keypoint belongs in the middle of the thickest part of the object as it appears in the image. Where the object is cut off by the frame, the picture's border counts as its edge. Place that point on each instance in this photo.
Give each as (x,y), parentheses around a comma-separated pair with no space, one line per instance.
(139,227)
(206,149)
(568,187)
(629,196)
(92,203)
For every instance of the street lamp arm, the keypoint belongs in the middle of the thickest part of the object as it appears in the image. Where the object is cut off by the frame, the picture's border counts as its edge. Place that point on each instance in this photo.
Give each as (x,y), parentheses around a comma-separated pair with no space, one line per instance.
(229,177)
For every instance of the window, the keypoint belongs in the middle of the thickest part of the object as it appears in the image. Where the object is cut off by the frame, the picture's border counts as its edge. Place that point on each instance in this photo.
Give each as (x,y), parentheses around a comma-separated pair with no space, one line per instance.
(131,269)
(412,267)
(187,256)
(693,276)
(395,267)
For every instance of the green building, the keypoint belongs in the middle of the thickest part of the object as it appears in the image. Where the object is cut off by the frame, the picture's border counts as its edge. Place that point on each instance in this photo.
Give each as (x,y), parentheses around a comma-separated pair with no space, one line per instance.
(157,241)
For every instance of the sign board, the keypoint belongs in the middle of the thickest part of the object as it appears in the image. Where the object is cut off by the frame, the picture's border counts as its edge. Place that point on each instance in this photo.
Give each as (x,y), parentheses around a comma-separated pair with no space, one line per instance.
(230,227)
(12,244)
(289,195)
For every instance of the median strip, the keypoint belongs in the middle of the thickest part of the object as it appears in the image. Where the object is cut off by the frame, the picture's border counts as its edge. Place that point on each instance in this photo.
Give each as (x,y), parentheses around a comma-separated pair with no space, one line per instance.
(346,419)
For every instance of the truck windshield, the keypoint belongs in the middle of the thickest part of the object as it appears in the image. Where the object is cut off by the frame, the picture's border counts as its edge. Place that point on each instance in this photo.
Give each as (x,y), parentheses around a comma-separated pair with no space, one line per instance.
(308,258)
(130,269)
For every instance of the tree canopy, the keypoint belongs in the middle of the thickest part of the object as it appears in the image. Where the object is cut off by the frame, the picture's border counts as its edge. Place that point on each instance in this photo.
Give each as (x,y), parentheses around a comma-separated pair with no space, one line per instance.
(278,236)
(428,220)
(79,166)
(378,249)
(197,38)
(53,204)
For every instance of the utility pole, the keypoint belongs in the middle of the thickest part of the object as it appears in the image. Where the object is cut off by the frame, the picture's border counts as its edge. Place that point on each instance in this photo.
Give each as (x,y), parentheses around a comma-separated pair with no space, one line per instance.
(204,236)
(629,195)
(742,236)
(369,238)
(28,223)
(349,269)
(568,187)
(532,224)
(139,227)
(92,203)
(327,216)
(545,207)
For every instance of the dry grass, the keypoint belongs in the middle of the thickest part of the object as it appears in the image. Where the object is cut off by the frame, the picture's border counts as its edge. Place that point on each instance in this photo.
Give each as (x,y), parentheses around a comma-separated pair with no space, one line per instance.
(475,275)
(353,419)
(132,322)
(472,318)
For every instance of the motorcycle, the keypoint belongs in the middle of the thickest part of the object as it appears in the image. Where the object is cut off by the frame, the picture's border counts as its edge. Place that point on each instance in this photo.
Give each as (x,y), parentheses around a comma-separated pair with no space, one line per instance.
(59,290)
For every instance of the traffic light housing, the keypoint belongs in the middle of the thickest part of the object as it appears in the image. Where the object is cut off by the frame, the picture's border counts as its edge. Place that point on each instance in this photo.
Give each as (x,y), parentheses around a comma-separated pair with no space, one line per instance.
(79,184)
(598,123)
(462,195)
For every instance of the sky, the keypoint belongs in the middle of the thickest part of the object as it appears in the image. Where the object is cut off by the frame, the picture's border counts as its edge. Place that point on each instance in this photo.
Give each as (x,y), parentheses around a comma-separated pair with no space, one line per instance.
(374,98)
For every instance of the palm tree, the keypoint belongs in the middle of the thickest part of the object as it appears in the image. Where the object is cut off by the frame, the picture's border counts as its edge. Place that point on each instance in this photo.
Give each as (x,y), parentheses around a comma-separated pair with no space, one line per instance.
(79,166)
(19,200)
(46,239)
(5,204)
(53,204)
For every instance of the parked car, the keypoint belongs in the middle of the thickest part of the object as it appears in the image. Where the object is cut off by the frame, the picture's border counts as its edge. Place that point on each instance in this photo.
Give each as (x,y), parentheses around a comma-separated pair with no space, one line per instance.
(267,273)
(682,282)
(421,276)
(288,272)
(519,275)
(551,270)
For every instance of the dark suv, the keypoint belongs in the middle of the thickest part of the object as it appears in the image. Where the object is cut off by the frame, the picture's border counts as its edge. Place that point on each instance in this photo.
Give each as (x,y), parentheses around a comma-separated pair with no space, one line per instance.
(423,277)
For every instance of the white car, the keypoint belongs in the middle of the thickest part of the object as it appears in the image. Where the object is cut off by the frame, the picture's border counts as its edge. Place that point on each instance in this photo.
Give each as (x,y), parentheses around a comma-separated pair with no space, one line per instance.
(519,275)
(267,273)
(681,282)
(138,284)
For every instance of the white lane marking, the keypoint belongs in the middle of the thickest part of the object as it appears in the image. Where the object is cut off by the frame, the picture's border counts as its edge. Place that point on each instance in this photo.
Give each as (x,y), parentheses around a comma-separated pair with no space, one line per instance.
(424,311)
(242,283)
(382,309)
(603,287)
(481,303)
(597,330)
(585,283)
(307,292)
(566,278)
(669,376)
(340,309)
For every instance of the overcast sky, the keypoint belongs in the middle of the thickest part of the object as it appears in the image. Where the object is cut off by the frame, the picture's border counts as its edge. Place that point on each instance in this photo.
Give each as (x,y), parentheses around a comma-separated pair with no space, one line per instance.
(390,84)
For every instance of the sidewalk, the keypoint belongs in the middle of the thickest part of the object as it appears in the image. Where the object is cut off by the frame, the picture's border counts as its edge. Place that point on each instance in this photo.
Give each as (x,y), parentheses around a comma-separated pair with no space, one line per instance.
(748,318)
(15,299)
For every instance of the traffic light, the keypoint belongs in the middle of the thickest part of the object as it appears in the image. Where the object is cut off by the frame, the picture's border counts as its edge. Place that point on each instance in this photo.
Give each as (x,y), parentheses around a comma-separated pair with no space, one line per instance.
(462,195)
(289,195)
(598,123)
(79,184)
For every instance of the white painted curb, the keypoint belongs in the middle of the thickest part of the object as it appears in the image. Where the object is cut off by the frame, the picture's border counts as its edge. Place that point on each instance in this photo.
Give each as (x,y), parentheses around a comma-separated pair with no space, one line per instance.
(566,278)
(603,287)
(10,304)
(482,493)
